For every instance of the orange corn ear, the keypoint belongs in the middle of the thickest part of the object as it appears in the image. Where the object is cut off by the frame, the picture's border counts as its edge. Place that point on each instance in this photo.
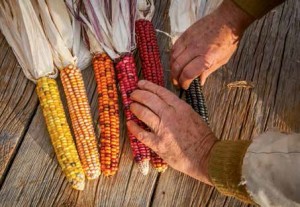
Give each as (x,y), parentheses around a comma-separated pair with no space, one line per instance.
(108,113)
(81,119)
(151,68)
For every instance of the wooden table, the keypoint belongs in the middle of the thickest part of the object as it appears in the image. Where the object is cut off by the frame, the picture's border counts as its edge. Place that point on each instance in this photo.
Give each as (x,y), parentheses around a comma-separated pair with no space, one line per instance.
(268,58)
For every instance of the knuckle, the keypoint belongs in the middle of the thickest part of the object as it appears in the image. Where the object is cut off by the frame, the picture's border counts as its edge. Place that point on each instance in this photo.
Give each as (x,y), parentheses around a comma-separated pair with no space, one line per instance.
(143,136)
(176,66)
(187,75)
(160,90)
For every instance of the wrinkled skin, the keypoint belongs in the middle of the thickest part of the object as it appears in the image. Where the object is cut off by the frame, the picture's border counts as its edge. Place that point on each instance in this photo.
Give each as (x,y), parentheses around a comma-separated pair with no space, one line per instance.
(208,44)
(178,135)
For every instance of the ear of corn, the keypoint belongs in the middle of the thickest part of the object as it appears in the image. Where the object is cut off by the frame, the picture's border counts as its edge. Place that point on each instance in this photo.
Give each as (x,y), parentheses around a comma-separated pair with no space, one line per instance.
(151,68)
(59,131)
(81,119)
(127,78)
(149,52)
(108,113)
(195,97)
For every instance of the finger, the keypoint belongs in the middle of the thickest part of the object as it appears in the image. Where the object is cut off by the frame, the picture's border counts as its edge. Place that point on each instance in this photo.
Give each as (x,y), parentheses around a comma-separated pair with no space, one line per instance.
(179,46)
(145,115)
(207,73)
(192,70)
(175,72)
(188,55)
(150,100)
(170,98)
(147,138)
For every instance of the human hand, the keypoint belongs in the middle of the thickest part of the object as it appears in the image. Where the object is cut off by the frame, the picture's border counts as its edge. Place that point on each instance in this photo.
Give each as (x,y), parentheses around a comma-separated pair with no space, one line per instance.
(208,44)
(178,134)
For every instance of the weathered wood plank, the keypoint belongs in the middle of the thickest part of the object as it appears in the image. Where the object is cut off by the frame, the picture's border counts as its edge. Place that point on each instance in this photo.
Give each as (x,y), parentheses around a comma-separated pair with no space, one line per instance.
(268,56)
(17,105)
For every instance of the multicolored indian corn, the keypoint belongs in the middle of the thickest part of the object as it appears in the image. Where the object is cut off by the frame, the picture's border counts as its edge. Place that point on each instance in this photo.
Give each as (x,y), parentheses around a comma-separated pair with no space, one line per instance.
(59,131)
(108,113)
(194,97)
(81,119)
(151,68)
(127,78)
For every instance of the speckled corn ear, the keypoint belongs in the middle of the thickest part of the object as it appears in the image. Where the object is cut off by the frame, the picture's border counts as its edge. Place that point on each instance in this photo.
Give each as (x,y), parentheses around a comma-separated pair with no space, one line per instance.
(195,97)
(59,131)
(127,78)
(82,124)
(151,68)
(108,113)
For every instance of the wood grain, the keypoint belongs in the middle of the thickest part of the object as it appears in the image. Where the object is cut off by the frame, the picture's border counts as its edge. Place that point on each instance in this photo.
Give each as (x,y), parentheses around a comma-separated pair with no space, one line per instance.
(18,103)
(268,56)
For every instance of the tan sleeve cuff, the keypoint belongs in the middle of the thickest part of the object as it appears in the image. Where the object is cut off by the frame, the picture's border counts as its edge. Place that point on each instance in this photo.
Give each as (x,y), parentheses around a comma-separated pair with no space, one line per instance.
(225,168)
(257,8)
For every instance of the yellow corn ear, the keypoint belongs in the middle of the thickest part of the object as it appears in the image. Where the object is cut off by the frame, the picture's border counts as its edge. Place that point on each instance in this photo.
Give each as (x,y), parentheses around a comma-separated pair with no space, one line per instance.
(59,131)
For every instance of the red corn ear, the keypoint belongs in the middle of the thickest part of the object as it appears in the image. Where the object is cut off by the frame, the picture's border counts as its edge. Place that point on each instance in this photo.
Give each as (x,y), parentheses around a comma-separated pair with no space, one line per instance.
(127,78)
(151,68)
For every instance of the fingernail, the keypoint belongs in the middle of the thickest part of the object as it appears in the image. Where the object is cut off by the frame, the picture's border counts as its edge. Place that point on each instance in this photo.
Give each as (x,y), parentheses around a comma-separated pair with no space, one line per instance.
(131,106)
(128,123)
(141,82)
(131,95)
(175,82)
(185,86)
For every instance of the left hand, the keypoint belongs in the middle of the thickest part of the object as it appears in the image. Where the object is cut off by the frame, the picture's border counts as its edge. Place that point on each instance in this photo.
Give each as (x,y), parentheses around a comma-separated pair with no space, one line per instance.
(178,134)
(208,44)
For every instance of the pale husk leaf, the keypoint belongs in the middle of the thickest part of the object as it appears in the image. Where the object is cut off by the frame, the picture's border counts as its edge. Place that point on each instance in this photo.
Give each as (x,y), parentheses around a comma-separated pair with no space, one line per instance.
(145,9)
(64,34)
(183,14)
(21,27)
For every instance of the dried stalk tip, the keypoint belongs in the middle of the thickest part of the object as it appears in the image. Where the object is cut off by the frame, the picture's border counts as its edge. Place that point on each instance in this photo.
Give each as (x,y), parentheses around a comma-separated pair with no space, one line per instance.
(240,84)
(78,185)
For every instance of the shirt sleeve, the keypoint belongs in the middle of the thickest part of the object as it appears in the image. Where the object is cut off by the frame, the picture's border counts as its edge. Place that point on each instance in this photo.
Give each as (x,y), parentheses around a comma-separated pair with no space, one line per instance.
(257,8)
(266,171)
(225,168)
(271,169)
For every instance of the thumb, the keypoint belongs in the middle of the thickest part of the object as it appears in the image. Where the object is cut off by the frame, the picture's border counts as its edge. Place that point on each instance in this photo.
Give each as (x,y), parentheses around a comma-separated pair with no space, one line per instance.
(147,138)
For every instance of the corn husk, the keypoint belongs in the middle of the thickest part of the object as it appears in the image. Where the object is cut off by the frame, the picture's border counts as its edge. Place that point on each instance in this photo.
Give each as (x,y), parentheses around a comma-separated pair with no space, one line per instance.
(123,18)
(110,25)
(64,34)
(96,24)
(21,27)
(145,9)
(183,14)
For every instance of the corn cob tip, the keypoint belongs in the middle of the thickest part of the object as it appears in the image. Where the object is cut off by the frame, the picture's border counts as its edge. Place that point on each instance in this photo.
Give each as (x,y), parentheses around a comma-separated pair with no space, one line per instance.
(109,173)
(93,175)
(162,169)
(144,167)
(79,185)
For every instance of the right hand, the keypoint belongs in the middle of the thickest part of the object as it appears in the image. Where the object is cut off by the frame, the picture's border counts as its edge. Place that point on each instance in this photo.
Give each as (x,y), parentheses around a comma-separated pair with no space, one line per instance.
(208,44)
(178,134)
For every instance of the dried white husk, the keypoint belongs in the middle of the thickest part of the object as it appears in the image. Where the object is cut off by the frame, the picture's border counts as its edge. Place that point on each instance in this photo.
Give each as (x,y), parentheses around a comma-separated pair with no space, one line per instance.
(19,23)
(145,9)
(64,34)
(183,14)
